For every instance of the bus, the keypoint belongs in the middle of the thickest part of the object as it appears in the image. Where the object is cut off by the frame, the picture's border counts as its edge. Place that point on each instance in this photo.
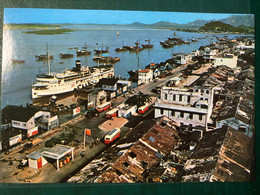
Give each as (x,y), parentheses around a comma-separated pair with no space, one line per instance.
(112,135)
(143,109)
(112,113)
(104,107)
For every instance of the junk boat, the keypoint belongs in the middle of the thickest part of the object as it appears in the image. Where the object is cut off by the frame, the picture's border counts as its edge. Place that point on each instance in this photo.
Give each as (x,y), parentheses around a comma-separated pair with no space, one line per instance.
(100,51)
(119,49)
(58,83)
(83,52)
(149,45)
(104,58)
(135,48)
(13,61)
(64,55)
(43,57)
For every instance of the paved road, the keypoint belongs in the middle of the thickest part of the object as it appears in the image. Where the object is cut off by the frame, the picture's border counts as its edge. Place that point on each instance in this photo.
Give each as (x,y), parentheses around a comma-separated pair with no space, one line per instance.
(147,88)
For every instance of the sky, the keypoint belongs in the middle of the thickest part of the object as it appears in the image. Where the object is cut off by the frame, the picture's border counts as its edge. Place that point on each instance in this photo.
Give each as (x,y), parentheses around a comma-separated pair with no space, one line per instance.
(31,15)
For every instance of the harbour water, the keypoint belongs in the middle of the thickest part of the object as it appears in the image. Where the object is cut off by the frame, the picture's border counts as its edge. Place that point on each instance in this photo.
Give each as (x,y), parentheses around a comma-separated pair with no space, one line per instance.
(17,79)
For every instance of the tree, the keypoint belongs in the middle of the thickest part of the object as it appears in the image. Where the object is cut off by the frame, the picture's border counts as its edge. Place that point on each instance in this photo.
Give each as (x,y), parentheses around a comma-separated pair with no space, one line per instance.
(138,100)
(68,135)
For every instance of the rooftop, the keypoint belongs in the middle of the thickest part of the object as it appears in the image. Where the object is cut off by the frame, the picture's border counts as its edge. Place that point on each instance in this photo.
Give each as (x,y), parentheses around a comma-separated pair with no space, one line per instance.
(145,153)
(144,70)
(17,113)
(108,81)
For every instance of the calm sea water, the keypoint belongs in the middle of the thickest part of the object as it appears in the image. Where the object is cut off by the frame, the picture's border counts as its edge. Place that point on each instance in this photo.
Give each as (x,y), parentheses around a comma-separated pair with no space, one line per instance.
(17,79)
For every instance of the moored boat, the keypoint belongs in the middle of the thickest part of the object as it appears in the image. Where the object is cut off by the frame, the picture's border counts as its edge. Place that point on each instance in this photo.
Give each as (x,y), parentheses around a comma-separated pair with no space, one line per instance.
(13,61)
(64,55)
(58,83)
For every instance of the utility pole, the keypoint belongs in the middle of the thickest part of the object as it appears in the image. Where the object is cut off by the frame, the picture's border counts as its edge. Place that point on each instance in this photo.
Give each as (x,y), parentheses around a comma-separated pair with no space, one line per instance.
(84,138)
(137,71)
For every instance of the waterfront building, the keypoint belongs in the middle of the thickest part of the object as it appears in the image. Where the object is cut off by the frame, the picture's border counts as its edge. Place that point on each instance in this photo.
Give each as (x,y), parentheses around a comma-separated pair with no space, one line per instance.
(19,123)
(114,86)
(145,76)
(182,59)
(229,60)
(186,106)
(98,97)
(108,84)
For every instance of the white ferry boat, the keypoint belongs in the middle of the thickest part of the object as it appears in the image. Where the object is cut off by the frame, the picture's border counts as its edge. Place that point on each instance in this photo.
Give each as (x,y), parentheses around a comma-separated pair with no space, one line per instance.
(59,83)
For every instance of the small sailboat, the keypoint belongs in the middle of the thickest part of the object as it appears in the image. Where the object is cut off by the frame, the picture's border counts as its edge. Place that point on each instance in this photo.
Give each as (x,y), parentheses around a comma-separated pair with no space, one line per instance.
(117,33)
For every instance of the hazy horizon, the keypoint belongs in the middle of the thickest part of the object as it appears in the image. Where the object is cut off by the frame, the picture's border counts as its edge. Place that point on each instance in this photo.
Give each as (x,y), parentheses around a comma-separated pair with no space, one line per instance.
(114,17)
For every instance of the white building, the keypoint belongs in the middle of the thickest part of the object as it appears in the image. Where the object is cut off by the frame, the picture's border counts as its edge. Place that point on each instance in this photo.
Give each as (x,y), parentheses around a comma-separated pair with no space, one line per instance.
(145,76)
(125,110)
(38,159)
(209,55)
(229,60)
(28,119)
(182,59)
(187,106)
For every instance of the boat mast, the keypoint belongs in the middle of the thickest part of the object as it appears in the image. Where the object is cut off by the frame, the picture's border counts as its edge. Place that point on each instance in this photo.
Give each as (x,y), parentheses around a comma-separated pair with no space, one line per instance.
(48,60)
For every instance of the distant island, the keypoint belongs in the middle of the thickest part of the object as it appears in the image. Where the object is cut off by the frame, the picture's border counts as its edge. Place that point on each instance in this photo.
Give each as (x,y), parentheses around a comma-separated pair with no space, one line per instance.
(39,29)
(50,31)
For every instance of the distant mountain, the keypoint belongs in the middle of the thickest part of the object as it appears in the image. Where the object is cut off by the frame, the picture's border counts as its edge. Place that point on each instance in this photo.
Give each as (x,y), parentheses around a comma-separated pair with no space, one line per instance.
(165,24)
(137,24)
(239,20)
(234,20)
(197,23)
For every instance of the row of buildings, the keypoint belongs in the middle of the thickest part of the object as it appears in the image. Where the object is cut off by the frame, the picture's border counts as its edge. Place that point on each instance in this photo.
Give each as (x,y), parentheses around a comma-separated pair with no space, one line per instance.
(204,131)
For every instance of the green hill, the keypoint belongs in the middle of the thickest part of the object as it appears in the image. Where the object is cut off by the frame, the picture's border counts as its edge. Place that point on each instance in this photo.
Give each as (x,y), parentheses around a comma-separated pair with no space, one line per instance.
(218,26)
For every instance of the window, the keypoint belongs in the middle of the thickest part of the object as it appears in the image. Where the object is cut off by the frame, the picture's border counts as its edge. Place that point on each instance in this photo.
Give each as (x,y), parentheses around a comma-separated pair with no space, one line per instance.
(207,91)
(182,114)
(204,106)
(173,112)
(132,154)
(188,100)
(118,172)
(202,91)
(174,97)
(161,111)
(165,96)
(180,98)
(200,117)
(191,116)
(125,164)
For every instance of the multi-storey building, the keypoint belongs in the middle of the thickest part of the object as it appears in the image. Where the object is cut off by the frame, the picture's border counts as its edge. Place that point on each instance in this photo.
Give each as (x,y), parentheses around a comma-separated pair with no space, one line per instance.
(209,55)
(187,106)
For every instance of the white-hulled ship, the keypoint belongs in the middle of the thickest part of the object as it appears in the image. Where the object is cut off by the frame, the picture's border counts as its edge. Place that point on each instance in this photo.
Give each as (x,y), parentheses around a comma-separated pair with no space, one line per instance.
(58,83)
